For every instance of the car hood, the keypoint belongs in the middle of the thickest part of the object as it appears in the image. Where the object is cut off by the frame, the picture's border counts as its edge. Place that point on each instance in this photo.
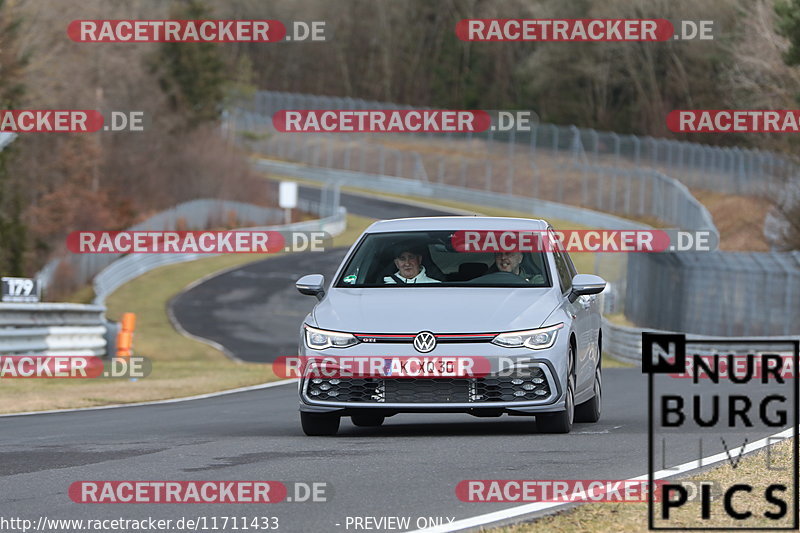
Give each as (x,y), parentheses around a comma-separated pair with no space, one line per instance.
(440,310)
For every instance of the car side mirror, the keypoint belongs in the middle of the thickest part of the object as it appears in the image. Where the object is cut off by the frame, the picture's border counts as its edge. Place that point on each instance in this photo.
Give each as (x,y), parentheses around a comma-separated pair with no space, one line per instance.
(585,284)
(312,285)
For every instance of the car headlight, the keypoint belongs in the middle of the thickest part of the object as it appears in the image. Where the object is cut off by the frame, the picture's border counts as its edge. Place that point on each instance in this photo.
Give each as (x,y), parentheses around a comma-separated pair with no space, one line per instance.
(319,339)
(535,339)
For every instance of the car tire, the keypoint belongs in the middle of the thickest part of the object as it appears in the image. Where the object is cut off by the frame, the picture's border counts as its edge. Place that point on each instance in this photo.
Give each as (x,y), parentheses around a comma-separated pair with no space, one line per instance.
(590,410)
(367,420)
(319,425)
(561,422)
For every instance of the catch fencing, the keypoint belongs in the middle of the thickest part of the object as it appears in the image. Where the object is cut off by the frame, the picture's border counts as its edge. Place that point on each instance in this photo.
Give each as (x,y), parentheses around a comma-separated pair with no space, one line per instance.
(637,193)
(724,169)
(567,165)
(716,293)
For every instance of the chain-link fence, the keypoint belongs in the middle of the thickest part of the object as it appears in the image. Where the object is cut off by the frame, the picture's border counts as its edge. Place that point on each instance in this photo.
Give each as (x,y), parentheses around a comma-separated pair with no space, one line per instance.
(723,169)
(715,293)
(571,179)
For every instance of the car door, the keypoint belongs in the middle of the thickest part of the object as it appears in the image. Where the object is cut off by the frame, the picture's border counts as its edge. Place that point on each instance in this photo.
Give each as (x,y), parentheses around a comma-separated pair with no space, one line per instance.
(580,310)
(589,321)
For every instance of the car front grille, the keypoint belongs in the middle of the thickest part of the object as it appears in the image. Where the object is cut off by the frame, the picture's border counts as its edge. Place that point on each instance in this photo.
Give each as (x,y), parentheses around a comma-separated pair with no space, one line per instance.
(531,386)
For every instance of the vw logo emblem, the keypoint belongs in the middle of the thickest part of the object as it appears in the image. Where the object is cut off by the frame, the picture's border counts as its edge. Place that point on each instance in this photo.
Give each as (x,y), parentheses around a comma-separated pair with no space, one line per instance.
(424,342)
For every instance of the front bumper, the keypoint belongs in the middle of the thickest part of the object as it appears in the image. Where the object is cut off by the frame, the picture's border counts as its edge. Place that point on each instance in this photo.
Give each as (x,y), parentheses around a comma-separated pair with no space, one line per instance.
(504,390)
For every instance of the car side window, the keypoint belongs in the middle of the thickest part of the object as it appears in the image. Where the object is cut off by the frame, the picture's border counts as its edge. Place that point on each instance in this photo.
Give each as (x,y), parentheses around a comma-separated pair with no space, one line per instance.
(570,265)
(564,267)
(563,271)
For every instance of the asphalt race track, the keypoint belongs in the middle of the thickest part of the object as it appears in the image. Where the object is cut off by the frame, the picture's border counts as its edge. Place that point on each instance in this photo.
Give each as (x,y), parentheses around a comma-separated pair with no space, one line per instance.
(409,467)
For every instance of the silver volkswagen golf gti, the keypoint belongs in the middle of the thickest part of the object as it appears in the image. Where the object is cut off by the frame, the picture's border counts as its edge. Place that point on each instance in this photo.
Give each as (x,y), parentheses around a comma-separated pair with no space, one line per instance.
(409,293)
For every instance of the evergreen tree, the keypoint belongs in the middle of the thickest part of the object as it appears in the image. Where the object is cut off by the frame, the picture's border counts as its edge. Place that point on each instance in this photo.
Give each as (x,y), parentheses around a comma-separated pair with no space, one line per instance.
(193,74)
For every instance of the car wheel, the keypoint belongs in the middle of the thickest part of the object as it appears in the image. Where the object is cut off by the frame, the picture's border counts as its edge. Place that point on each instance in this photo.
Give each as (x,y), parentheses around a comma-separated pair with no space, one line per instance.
(319,425)
(589,411)
(561,422)
(367,420)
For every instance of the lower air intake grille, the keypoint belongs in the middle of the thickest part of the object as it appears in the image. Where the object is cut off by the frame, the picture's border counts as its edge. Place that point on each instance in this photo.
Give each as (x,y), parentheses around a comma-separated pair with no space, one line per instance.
(526,387)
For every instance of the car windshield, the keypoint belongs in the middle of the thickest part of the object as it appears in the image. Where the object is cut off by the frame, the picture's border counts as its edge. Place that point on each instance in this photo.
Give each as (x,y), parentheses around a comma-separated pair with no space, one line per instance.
(428,258)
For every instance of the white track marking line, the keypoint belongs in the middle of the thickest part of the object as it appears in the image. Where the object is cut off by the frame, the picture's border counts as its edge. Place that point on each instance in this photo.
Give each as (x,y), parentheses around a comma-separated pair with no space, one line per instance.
(157,402)
(506,514)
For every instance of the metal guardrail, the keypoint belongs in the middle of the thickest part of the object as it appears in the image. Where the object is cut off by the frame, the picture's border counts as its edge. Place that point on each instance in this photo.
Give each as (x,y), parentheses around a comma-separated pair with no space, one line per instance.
(194,214)
(82,330)
(52,329)
(134,265)
(404,186)
(625,343)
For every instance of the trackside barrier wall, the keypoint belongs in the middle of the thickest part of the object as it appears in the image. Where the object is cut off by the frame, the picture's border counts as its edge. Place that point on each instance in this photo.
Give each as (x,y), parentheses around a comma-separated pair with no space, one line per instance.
(134,265)
(625,343)
(710,293)
(82,330)
(52,329)
(195,214)
(716,293)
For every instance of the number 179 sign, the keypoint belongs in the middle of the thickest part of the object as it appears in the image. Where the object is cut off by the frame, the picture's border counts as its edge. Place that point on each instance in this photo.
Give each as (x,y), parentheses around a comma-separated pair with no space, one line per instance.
(20,290)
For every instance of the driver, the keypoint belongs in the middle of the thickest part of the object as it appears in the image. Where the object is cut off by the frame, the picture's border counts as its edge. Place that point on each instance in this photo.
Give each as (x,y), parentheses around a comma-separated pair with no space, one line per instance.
(408,260)
(511,262)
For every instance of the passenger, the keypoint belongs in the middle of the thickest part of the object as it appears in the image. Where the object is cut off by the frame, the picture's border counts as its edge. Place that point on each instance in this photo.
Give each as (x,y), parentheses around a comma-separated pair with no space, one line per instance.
(408,261)
(512,262)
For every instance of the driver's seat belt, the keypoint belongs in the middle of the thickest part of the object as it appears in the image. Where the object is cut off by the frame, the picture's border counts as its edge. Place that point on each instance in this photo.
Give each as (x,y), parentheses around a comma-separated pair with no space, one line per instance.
(397,280)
